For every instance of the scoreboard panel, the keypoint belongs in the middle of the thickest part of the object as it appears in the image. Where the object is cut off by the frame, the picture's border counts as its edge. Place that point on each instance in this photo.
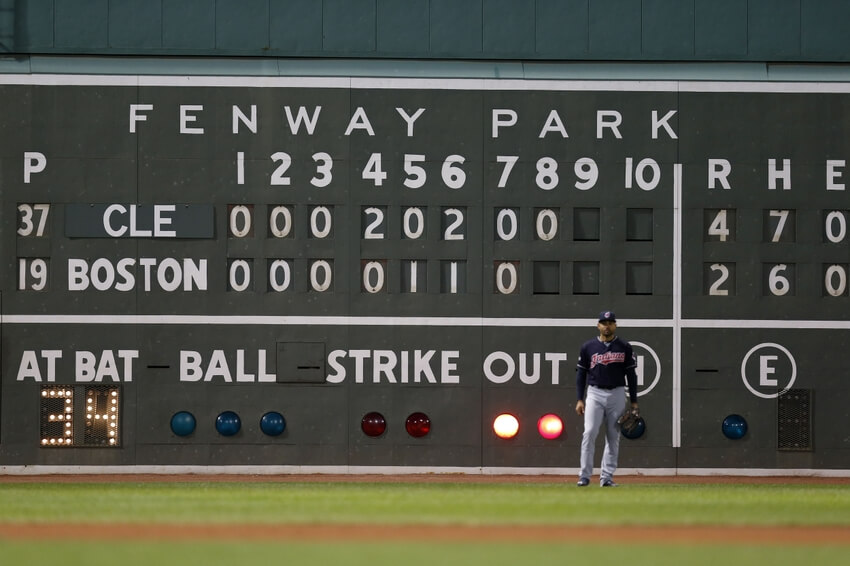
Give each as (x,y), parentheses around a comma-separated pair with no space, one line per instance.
(383,267)
(769,206)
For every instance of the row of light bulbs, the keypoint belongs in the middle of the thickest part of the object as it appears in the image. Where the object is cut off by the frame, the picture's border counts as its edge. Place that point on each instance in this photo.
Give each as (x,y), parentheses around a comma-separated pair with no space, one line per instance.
(110,418)
(57,392)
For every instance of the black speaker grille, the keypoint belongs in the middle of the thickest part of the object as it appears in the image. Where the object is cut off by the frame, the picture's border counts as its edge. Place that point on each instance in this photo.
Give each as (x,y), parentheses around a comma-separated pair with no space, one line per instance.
(795,420)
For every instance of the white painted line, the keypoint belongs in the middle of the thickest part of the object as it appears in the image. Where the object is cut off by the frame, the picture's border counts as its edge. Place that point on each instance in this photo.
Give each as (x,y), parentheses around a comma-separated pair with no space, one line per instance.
(677,306)
(580,85)
(320,320)
(766,86)
(770,324)
(260,320)
(40,470)
(486,84)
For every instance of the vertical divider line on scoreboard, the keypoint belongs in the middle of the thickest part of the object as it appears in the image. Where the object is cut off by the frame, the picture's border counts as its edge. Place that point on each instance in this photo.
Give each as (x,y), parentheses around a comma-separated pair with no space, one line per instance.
(484,418)
(677,305)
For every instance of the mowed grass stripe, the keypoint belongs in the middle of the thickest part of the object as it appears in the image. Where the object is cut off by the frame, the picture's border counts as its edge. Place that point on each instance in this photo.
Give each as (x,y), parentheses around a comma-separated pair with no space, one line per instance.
(201,503)
(367,553)
(634,534)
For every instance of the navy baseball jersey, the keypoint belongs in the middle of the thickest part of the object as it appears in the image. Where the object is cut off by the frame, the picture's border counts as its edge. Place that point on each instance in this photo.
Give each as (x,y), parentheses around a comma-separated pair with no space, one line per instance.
(606,365)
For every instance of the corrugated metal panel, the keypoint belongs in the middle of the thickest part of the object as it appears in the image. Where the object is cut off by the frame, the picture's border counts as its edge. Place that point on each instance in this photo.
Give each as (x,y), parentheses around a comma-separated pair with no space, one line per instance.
(574,30)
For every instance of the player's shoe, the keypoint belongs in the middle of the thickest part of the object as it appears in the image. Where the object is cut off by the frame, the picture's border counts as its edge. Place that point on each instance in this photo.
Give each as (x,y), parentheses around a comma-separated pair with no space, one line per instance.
(582,482)
(608,483)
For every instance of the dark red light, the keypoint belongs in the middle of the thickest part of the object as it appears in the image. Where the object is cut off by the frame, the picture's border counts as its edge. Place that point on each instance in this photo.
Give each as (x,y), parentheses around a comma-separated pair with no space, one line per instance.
(373,424)
(418,425)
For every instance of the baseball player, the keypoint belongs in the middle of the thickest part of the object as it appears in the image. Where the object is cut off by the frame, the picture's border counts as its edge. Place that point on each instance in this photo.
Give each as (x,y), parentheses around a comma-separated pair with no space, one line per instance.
(605,365)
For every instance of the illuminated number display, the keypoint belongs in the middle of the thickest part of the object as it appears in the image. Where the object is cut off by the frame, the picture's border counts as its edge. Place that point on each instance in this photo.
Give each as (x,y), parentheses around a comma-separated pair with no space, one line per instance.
(57,416)
(102,416)
(77,416)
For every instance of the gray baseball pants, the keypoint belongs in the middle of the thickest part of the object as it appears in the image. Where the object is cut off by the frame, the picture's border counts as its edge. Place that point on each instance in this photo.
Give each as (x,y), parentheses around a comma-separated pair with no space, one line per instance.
(602,405)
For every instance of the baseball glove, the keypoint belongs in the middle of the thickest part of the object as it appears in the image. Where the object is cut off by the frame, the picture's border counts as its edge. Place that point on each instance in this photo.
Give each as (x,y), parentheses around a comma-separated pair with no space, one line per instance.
(629,422)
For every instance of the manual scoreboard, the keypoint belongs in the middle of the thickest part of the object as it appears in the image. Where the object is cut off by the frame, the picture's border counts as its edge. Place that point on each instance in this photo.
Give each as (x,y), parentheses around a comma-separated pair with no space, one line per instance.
(369,272)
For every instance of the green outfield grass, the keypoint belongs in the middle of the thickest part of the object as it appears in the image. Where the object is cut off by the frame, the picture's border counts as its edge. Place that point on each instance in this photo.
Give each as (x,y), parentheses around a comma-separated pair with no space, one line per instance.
(464,503)
(412,554)
(269,503)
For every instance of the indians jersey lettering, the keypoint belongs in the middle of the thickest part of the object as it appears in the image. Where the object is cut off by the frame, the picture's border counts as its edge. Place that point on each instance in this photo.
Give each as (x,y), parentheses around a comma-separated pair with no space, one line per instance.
(607,358)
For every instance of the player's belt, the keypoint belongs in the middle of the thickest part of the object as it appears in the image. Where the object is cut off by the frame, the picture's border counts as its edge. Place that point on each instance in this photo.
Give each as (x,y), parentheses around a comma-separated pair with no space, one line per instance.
(607,387)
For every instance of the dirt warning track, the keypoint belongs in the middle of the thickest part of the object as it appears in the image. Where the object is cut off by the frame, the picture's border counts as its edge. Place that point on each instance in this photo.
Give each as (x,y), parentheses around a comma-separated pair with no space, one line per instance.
(708,535)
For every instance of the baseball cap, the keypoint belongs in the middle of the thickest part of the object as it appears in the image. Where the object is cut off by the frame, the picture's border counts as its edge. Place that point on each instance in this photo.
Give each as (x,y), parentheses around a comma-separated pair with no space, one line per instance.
(607,315)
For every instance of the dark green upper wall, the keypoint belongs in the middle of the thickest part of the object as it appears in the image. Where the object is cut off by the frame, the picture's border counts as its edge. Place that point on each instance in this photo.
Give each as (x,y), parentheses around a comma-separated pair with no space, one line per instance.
(626,30)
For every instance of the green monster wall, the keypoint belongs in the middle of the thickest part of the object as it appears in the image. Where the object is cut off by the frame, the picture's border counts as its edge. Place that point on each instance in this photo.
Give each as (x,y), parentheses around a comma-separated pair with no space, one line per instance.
(541,30)
(327,249)
(316,235)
